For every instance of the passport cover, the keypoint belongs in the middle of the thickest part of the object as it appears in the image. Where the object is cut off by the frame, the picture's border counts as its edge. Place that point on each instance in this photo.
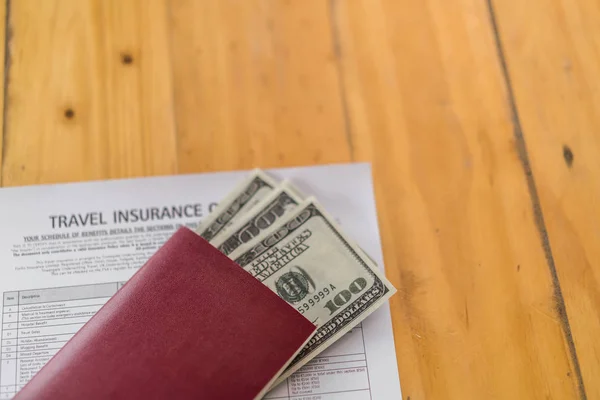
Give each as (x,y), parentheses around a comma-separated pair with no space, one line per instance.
(189,324)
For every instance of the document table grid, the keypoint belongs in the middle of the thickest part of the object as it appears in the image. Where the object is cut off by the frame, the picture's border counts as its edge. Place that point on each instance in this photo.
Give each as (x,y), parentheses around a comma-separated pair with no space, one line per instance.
(37,323)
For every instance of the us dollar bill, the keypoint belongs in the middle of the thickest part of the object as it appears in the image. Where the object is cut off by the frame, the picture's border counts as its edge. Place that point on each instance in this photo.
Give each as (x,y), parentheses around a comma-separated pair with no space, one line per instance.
(239,201)
(272,208)
(310,263)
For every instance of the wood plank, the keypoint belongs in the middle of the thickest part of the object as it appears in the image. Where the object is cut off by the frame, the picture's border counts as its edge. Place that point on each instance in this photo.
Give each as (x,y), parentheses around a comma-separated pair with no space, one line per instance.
(475,318)
(552,50)
(90,93)
(3,46)
(255,85)
(258,83)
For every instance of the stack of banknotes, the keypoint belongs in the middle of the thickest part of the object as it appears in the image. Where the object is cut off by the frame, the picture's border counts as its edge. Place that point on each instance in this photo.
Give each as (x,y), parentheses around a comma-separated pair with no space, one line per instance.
(290,243)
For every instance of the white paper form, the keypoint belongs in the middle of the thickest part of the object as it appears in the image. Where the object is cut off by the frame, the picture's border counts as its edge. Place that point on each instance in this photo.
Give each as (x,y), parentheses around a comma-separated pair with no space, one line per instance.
(66,249)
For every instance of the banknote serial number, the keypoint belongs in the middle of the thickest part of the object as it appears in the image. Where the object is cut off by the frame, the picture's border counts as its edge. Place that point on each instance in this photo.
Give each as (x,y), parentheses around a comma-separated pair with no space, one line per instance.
(339,300)
(316,298)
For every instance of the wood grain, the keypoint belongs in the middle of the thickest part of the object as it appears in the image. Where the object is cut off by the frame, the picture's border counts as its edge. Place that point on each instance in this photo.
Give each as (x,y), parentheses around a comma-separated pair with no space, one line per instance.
(106,89)
(476,316)
(77,109)
(255,85)
(3,41)
(553,62)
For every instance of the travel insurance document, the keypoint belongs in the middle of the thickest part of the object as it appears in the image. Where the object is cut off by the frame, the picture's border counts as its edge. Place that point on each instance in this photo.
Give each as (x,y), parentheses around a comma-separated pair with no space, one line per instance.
(65,249)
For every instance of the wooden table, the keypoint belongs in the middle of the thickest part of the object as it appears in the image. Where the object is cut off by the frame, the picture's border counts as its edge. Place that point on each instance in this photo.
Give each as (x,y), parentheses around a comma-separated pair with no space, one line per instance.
(480,119)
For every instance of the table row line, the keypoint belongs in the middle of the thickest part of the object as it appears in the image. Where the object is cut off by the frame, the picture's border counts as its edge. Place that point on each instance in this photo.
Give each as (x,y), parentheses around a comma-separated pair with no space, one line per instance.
(67,293)
(36,340)
(47,322)
(4,350)
(63,312)
(55,305)
(355,377)
(41,331)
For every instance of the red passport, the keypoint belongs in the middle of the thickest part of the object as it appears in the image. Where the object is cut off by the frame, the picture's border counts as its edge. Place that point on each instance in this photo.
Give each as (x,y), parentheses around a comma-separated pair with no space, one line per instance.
(189,324)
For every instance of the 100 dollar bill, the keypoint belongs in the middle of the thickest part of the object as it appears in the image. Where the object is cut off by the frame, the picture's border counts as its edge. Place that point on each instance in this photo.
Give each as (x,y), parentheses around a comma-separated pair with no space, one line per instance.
(308,261)
(272,208)
(245,196)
